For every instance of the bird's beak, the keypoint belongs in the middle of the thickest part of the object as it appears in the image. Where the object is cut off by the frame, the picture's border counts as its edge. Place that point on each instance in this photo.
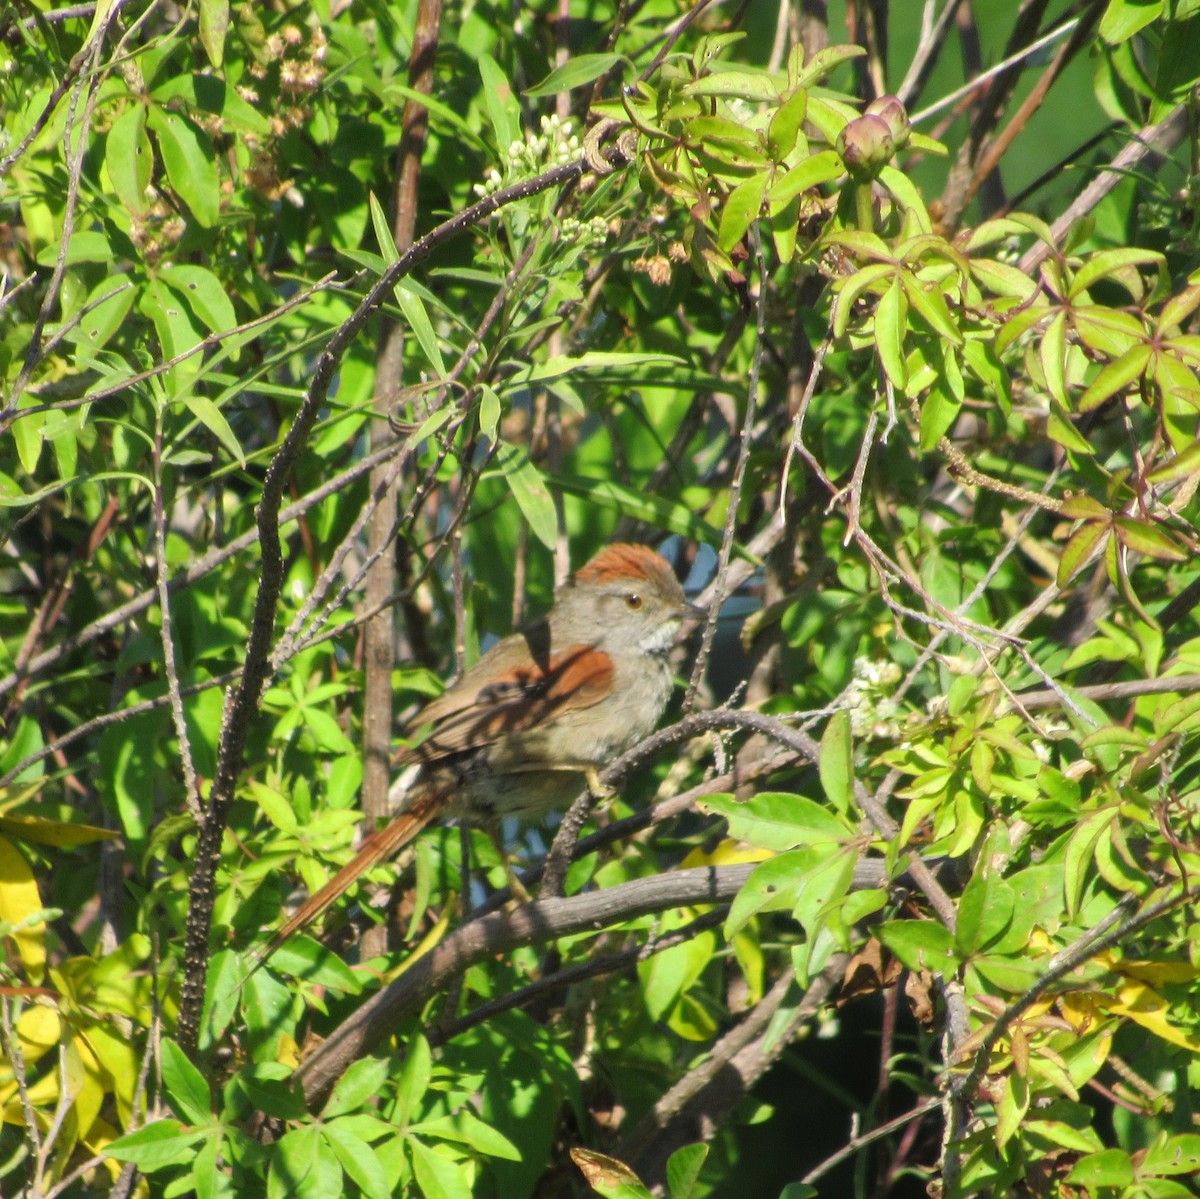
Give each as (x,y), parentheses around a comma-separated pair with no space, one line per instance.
(691,613)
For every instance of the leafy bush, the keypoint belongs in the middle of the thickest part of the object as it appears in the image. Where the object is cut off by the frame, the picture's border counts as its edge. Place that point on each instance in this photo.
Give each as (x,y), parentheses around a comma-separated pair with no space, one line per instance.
(312,350)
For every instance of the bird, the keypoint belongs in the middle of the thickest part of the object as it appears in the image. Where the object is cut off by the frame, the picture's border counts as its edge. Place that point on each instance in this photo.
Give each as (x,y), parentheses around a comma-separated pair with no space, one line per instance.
(539,715)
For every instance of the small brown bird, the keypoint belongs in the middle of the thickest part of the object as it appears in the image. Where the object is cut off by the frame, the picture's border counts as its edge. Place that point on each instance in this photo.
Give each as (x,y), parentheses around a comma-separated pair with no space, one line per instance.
(540,714)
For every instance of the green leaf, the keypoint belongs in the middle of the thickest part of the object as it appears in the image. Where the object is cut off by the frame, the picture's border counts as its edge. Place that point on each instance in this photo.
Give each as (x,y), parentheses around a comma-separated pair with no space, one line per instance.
(1077,860)
(784,128)
(304,958)
(1083,543)
(304,1166)
(163,1143)
(418,321)
(683,1170)
(214,24)
(213,419)
(489,412)
(836,766)
(620,364)
(1110,262)
(890,317)
(1108,1168)
(203,292)
(811,172)
(1172,1155)
(984,911)
(771,887)
(1150,539)
(186,1086)
(920,944)
(667,975)
(415,1076)
(529,489)
(1053,356)
(575,72)
(939,410)
(190,163)
(499,102)
(469,1130)
(129,159)
(1123,18)
(1116,376)
(740,210)
(778,820)
(437,1176)
(362,1080)
(359,1161)
(737,84)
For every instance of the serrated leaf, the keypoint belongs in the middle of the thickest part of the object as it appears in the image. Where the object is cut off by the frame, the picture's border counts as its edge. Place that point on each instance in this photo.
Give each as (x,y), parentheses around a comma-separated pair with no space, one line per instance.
(1108,262)
(1053,356)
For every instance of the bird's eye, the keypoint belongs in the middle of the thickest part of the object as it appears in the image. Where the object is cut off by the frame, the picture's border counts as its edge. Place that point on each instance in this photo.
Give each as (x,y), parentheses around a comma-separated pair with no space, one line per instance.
(633,601)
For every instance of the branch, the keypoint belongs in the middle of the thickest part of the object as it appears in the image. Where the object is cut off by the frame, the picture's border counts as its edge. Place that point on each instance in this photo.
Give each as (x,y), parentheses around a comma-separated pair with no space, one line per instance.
(242,706)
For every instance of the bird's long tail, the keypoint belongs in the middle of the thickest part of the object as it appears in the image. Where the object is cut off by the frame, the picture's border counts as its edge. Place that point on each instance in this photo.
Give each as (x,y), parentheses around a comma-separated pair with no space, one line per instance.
(377,848)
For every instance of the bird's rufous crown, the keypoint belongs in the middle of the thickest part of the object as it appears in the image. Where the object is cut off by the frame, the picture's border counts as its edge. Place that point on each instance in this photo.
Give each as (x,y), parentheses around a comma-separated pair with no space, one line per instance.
(624,561)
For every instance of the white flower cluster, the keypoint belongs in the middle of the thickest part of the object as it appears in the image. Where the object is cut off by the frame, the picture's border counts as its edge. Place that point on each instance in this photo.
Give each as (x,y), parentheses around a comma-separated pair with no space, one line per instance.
(867,698)
(556,145)
(591,234)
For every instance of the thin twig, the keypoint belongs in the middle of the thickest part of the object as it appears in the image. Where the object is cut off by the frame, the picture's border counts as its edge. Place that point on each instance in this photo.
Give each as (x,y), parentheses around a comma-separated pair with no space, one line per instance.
(191,792)
(967,88)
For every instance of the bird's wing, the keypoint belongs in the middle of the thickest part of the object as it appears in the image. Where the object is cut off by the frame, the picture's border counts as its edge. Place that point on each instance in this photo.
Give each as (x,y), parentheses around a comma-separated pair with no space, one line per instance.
(488,703)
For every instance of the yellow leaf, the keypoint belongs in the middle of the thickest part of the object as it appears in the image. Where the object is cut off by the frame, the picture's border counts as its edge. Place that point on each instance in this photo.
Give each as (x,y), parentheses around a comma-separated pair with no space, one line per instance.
(86,1078)
(101,1135)
(728,853)
(38,1031)
(19,899)
(119,1062)
(1156,974)
(1149,1009)
(288,1052)
(53,832)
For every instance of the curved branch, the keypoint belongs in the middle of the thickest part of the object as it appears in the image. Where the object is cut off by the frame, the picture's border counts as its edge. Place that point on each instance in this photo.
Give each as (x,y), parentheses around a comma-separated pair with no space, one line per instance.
(498,933)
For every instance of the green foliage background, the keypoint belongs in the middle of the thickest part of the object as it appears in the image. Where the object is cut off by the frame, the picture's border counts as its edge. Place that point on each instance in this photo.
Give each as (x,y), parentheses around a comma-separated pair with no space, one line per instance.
(940,771)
